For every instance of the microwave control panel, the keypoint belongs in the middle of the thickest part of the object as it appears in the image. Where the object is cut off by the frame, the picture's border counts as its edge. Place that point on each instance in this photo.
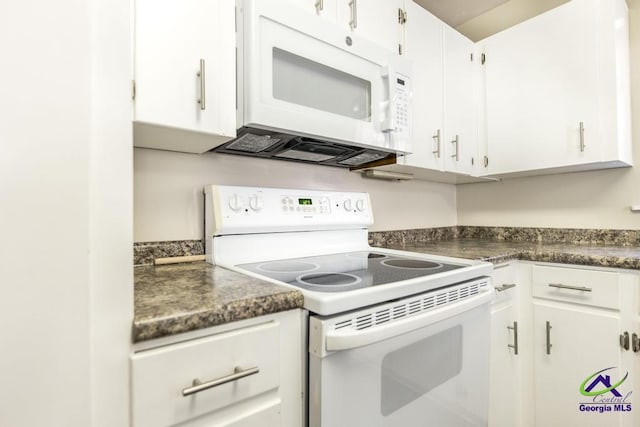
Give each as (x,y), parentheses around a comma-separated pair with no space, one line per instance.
(401,109)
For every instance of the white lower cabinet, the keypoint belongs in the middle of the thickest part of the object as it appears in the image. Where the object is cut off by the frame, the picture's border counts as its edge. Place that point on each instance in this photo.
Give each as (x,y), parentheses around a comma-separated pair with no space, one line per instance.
(247,376)
(571,344)
(510,350)
(577,364)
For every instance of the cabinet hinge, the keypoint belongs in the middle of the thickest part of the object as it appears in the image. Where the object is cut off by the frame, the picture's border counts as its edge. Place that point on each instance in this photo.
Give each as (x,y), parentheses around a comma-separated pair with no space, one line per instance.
(483,59)
(471,57)
(133,89)
(486,161)
(402,16)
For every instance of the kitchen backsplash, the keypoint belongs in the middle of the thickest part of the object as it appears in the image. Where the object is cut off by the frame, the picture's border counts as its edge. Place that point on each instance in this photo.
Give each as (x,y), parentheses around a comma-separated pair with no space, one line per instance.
(144,253)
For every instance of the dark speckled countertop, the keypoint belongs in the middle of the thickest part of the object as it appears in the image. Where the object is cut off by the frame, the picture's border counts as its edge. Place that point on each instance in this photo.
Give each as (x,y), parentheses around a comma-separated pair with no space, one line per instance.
(498,251)
(170,299)
(178,298)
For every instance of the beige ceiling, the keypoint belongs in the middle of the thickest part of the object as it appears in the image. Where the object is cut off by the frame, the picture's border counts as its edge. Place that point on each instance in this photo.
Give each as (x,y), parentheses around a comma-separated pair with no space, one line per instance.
(478,19)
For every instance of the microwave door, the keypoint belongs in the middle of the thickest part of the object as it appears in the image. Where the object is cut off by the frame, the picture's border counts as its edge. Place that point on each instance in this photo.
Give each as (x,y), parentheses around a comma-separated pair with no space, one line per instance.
(304,76)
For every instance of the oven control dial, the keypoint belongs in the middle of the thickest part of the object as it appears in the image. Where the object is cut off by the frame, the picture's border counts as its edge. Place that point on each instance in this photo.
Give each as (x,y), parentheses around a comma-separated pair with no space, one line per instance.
(348,205)
(256,202)
(235,202)
(360,205)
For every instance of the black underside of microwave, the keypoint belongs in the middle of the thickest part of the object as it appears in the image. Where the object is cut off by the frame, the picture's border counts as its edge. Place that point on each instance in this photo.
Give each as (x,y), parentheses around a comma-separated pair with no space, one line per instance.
(281,146)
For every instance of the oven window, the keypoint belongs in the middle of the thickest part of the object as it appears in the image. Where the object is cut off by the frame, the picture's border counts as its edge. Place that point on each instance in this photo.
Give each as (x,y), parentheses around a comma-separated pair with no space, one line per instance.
(301,81)
(414,370)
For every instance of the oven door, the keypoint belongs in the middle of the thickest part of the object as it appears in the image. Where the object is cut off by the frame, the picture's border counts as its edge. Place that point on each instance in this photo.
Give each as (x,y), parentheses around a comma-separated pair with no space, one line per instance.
(305,76)
(429,369)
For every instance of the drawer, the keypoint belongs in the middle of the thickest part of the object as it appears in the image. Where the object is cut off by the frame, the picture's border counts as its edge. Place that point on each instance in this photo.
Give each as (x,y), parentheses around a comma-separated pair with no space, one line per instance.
(591,287)
(160,375)
(503,279)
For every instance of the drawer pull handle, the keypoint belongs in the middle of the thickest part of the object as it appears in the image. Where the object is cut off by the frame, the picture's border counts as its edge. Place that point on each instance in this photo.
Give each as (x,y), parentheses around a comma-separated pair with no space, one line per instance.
(238,373)
(505,287)
(573,288)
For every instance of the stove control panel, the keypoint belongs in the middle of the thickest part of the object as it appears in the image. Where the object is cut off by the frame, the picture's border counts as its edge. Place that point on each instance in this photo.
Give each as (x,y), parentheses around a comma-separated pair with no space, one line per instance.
(243,210)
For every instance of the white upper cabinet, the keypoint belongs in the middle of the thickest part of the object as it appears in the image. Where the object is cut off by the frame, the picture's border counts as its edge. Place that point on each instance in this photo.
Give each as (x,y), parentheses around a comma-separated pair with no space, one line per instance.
(184,74)
(460,125)
(444,129)
(424,35)
(557,91)
(374,20)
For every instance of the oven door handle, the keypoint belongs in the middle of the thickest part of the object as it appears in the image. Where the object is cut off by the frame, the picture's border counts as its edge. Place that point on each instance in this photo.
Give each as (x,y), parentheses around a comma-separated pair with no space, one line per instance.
(351,339)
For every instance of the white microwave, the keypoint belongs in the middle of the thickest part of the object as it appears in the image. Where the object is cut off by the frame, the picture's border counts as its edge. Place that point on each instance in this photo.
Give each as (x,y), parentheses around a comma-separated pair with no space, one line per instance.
(309,90)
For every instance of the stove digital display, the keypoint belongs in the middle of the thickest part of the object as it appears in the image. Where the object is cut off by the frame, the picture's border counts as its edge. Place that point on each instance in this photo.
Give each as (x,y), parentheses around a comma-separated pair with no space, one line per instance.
(304,202)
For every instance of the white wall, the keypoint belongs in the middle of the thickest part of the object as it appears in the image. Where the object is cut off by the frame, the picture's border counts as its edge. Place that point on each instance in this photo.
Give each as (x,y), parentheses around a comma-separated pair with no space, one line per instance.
(65,184)
(599,199)
(168,192)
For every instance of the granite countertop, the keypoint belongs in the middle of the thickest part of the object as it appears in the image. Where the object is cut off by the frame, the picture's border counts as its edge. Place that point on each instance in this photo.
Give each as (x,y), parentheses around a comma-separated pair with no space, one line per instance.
(170,299)
(497,251)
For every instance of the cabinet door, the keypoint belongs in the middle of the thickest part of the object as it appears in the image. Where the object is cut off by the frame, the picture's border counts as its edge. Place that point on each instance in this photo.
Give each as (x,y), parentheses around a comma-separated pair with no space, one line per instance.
(582,343)
(374,20)
(503,367)
(541,83)
(172,39)
(506,351)
(460,131)
(424,38)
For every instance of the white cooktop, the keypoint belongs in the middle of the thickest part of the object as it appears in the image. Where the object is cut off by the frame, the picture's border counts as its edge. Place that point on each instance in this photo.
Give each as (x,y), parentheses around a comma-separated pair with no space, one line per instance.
(316,241)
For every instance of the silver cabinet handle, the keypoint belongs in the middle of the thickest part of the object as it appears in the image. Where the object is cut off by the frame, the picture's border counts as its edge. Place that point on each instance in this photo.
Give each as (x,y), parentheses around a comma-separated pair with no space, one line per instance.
(354,14)
(582,136)
(573,288)
(549,337)
(319,5)
(436,138)
(505,286)
(514,346)
(456,143)
(624,340)
(202,100)
(238,373)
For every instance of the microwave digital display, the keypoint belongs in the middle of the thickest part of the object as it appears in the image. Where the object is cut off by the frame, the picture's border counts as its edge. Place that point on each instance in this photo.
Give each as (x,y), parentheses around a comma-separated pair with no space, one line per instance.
(400,82)
(304,202)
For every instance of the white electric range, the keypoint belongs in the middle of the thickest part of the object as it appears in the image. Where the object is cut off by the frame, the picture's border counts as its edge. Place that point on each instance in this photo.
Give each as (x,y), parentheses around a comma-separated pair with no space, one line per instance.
(395,337)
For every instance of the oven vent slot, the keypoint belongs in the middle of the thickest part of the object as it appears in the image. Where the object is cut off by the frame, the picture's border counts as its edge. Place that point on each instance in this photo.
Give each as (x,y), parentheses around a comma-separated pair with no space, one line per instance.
(441,299)
(428,303)
(363,322)
(411,307)
(343,324)
(399,311)
(383,316)
(415,307)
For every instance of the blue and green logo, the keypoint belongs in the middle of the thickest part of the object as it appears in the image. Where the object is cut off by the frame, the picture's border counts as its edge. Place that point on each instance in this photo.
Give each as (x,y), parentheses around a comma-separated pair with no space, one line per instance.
(604,393)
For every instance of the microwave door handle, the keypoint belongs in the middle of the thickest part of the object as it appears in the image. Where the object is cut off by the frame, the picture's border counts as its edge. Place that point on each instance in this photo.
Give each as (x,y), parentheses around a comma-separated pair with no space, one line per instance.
(386,111)
(341,340)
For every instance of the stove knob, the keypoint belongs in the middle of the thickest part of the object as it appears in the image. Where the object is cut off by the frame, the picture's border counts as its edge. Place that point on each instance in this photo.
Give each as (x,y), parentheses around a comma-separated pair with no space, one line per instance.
(348,204)
(256,203)
(360,205)
(235,203)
